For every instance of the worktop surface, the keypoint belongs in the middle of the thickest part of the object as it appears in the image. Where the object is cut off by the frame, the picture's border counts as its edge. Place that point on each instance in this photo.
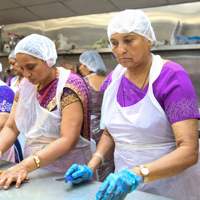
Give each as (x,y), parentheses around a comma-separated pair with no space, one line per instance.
(41,185)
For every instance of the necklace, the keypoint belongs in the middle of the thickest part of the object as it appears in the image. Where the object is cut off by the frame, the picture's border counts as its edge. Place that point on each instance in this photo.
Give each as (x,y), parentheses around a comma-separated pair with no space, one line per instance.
(145,78)
(56,75)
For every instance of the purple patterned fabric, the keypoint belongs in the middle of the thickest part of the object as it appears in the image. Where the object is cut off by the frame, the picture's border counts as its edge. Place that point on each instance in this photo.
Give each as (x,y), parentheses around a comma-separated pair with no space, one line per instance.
(52,93)
(76,80)
(173,90)
(96,98)
(6,99)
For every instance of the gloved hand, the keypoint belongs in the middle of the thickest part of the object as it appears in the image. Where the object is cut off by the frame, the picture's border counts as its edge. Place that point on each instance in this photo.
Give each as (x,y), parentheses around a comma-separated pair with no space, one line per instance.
(118,185)
(79,173)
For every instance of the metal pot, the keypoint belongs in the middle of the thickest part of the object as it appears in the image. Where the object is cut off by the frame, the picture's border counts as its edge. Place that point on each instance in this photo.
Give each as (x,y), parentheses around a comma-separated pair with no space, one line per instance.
(13,42)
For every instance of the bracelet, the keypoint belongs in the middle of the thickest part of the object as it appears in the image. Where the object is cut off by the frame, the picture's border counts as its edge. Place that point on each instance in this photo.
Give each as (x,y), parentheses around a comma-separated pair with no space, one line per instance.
(37,161)
(102,159)
(145,173)
(0,154)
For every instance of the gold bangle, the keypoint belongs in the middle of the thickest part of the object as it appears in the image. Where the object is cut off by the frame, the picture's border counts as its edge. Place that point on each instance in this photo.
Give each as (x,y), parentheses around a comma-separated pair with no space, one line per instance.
(0,154)
(37,161)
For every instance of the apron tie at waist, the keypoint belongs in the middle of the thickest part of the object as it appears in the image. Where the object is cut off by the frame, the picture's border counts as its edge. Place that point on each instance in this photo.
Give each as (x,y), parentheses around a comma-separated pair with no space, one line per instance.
(143,146)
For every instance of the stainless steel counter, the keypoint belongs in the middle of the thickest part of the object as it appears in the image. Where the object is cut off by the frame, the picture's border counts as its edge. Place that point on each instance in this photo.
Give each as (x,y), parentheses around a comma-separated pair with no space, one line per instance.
(42,186)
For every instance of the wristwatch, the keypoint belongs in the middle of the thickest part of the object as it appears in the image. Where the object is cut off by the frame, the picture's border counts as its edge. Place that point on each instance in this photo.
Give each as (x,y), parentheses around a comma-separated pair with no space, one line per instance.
(37,161)
(145,173)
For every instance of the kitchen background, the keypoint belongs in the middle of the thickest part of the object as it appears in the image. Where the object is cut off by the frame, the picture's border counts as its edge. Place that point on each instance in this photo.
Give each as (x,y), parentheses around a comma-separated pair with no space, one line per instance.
(83,29)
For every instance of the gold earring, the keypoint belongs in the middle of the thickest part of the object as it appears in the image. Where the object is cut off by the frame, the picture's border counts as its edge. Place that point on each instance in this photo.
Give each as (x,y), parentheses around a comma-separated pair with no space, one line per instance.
(149,45)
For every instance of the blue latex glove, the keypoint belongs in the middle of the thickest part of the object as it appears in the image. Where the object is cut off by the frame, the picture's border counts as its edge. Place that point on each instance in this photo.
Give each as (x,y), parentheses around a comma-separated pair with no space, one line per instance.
(118,185)
(79,173)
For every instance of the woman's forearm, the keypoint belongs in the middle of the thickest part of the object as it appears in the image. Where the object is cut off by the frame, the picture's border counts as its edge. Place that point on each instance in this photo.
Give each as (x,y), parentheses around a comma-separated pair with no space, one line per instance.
(9,133)
(3,118)
(171,164)
(72,120)
(7,138)
(186,154)
(61,146)
(105,147)
(50,153)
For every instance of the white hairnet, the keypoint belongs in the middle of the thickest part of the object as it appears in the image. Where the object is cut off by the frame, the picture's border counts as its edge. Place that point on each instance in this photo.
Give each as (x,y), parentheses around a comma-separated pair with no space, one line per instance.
(132,21)
(93,61)
(38,46)
(12,55)
(0,67)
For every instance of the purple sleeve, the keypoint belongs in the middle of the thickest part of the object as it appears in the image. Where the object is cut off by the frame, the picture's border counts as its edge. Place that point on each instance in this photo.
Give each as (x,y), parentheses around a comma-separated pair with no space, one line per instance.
(9,81)
(66,92)
(176,94)
(6,99)
(106,82)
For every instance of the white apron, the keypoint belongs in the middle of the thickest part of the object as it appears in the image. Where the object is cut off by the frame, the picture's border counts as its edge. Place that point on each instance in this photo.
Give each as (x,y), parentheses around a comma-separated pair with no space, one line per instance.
(143,134)
(13,82)
(42,127)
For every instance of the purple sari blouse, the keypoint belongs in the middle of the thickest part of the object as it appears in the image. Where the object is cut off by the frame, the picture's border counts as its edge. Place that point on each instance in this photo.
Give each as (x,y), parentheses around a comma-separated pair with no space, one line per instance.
(173,90)
(75,89)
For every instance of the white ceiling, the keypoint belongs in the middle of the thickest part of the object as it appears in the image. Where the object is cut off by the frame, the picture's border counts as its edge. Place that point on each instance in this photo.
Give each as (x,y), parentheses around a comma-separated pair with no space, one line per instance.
(16,11)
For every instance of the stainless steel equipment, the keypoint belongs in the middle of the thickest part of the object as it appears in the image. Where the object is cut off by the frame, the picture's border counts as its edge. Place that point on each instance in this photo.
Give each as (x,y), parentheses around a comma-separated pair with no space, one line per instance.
(13,42)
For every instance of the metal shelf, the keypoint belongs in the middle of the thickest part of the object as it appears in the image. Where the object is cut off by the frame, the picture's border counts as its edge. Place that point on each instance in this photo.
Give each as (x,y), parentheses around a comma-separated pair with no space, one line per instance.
(108,50)
(80,51)
(160,48)
(4,54)
(176,47)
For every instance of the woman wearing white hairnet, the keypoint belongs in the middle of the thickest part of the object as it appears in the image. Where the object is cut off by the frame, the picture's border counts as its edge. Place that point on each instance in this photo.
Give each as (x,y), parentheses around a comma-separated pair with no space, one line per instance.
(150,113)
(13,82)
(51,109)
(94,71)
